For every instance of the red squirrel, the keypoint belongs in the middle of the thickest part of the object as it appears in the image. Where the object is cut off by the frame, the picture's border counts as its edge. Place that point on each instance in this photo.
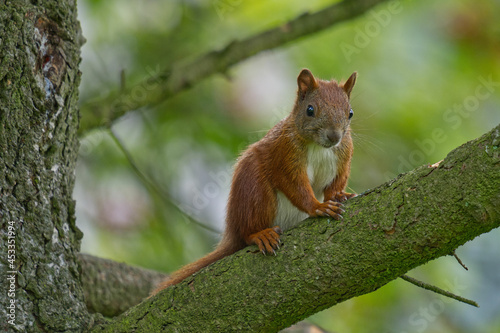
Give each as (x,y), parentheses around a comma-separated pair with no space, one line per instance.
(298,169)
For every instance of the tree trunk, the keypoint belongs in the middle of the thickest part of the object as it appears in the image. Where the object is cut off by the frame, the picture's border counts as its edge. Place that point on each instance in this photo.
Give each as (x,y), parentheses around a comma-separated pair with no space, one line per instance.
(39,78)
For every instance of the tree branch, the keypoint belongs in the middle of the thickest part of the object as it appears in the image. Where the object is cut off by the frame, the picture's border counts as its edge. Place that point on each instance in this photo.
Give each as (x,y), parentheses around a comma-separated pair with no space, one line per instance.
(110,287)
(180,76)
(387,231)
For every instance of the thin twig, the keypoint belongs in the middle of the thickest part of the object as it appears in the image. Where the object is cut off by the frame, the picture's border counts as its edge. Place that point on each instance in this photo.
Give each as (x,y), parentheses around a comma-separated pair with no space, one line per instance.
(460,261)
(149,184)
(122,80)
(438,290)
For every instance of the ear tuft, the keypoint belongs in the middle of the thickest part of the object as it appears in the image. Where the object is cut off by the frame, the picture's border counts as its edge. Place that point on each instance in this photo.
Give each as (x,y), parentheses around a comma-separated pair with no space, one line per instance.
(349,84)
(306,82)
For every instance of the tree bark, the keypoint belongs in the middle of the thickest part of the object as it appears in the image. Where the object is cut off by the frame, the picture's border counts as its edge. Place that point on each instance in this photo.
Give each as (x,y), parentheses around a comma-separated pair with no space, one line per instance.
(387,231)
(111,288)
(39,78)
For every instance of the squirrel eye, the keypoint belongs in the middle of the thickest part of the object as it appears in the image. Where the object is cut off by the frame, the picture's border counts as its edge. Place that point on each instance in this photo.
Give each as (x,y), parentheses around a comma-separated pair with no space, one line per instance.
(310,110)
(351,113)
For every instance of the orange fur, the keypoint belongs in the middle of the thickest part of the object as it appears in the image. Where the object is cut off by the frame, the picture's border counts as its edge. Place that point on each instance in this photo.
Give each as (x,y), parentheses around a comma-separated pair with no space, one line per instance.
(278,163)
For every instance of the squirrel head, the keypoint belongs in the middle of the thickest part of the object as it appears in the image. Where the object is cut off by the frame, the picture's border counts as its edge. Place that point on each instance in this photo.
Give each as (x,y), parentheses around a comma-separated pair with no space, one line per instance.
(322,112)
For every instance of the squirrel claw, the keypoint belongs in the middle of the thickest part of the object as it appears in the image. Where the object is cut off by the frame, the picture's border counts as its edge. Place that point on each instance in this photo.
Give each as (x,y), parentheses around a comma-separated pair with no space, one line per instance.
(343,196)
(329,208)
(267,240)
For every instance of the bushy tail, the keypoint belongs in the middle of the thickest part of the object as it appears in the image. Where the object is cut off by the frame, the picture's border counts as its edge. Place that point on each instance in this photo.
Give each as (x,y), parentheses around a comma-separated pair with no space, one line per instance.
(224,249)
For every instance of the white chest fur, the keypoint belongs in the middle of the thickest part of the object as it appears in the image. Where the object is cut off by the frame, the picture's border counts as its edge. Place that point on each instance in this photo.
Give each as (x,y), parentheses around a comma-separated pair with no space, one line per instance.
(321,170)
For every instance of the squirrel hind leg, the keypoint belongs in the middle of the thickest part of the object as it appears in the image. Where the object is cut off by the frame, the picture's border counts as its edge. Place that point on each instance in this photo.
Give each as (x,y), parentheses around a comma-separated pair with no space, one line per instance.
(268,240)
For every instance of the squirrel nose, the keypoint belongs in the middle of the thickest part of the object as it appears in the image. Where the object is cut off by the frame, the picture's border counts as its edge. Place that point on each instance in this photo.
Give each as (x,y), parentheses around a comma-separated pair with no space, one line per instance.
(333,136)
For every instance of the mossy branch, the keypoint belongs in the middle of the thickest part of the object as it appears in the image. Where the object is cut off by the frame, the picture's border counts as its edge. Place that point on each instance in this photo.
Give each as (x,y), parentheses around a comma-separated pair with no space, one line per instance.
(180,76)
(111,287)
(387,231)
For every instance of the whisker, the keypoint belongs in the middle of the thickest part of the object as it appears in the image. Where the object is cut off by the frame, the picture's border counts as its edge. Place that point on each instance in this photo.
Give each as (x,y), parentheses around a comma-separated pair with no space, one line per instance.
(367,140)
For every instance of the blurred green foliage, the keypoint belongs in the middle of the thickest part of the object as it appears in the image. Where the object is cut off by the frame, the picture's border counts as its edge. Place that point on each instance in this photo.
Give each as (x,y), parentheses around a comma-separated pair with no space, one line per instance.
(422,90)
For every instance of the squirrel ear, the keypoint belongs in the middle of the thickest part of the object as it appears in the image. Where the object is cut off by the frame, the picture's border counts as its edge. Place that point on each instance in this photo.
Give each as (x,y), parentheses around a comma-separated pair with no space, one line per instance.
(349,84)
(306,82)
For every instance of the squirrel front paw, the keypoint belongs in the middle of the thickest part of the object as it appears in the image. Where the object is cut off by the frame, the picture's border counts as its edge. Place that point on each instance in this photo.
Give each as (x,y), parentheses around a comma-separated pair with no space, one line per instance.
(268,240)
(343,196)
(329,208)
